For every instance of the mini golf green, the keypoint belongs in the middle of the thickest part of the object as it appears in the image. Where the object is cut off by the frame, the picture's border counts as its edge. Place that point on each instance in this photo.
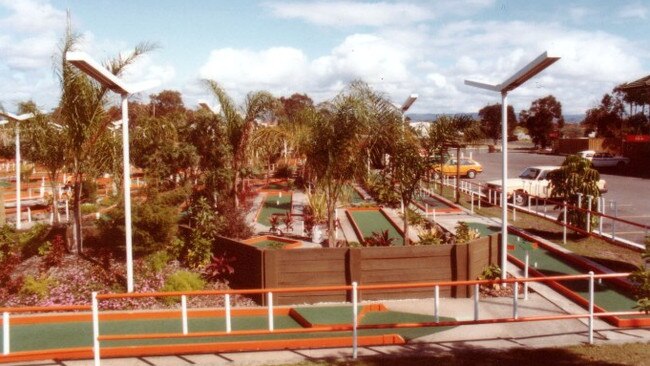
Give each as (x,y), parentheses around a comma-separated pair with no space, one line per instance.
(280,186)
(426,200)
(606,295)
(62,335)
(374,221)
(274,204)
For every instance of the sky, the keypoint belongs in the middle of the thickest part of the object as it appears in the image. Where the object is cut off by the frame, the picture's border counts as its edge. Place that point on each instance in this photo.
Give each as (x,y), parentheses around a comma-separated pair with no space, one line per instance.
(317,47)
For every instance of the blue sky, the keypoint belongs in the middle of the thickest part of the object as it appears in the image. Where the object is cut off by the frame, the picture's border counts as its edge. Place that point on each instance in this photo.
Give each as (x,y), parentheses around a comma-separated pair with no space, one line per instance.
(316,47)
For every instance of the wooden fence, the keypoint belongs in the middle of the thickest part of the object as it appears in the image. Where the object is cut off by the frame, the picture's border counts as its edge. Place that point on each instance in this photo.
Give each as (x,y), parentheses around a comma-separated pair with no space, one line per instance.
(275,268)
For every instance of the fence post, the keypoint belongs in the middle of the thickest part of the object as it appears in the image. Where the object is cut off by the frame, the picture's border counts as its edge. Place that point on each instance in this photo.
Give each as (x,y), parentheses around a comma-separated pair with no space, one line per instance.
(515,301)
(564,223)
(514,206)
(354,319)
(614,219)
(436,303)
(472,199)
(591,307)
(480,197)
(489,196)
(95,310)
(184,313)
(5,333)
(526,261)
(529,200)
(269,301)
(227,306)
(476,295)
(588,226)
(601,209)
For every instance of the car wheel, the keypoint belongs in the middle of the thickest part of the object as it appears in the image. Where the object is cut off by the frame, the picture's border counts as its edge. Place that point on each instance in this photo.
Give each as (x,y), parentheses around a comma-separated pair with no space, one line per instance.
(471,174)
(520,198)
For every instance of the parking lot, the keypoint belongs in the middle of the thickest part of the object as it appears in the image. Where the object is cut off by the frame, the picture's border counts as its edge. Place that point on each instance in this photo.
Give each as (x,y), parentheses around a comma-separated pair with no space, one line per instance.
(628,197)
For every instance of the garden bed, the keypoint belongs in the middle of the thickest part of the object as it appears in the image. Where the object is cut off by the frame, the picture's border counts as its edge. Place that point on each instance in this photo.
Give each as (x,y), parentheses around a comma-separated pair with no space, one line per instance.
(272,242)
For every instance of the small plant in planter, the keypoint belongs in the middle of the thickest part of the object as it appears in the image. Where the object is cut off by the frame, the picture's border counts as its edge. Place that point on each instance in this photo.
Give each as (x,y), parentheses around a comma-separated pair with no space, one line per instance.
(309,221)
(287,220)
(378,239)
(432,237)
(465,234)
(274,221)
(491,272)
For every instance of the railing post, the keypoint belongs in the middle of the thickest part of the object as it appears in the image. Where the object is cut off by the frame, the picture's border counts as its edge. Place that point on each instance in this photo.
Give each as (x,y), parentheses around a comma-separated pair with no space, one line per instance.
(5,333)
(355,300)
(227,306)
(436,303)
(184,313)
(476,295)
(472,199)
(489,196)
(515,301)
(591,307)
(564,222)
(526,264)
(614,219)
(601,209)
(269,301)
(514,206)
(95,311)
(588,224)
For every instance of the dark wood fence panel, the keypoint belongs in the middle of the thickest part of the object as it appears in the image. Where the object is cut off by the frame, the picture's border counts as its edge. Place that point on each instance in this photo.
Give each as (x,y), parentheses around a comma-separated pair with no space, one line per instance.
(276,268)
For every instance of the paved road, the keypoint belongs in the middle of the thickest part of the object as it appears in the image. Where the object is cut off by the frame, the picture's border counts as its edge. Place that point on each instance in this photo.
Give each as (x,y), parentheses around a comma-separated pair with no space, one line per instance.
(630,194)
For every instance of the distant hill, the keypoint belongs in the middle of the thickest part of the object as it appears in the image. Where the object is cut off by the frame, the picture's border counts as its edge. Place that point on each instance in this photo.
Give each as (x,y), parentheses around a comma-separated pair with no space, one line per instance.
(415,117)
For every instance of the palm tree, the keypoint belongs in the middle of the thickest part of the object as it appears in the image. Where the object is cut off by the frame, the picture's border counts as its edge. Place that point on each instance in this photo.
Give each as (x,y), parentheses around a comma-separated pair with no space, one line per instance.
(239,126)
(575,178)
(82,112)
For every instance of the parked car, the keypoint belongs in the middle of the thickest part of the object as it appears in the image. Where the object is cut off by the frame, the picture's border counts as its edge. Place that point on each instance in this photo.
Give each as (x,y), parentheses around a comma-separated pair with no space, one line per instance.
(532,181)
(604,159)
(468,168)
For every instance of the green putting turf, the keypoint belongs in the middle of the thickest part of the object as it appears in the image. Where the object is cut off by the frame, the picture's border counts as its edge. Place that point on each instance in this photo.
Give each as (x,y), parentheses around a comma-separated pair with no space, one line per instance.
(31,337)
(274,204)
(426,200)
(606,295)
(284,185)
(370,221)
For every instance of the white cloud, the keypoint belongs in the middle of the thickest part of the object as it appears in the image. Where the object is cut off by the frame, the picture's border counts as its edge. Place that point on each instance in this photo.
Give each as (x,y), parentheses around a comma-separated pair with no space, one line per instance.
(347,13)
(637,10)
(32,16)
(436,65)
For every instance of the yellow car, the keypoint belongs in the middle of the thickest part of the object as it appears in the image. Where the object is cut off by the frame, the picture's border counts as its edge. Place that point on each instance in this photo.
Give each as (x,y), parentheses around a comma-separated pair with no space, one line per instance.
(468,168)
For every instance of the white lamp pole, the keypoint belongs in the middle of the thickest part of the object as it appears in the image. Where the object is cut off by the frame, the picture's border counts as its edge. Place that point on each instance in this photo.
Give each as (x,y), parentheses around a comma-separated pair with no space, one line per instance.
(17,119)
(86,64)
(533,68)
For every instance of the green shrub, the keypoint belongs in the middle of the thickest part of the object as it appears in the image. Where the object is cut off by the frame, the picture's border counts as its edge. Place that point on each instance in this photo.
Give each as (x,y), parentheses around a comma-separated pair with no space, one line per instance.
(182,281)
(39,287)
(157,261)
(465,234)
(30,241)
(490,272)
(414,217)
(431,237)
(283,171)
(88,208)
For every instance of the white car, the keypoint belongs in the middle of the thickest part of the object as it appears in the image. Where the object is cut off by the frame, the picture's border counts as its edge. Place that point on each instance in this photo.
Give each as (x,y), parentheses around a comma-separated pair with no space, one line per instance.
(604,160)
(532,181)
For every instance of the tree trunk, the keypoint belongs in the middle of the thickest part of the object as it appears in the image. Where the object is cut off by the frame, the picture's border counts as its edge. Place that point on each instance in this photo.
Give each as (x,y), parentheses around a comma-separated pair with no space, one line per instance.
(236,187)
(406,223)
(55,198)
(76,207)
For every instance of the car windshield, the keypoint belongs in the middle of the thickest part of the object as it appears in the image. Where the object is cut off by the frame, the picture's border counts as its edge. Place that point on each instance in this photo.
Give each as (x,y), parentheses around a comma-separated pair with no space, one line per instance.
(529,173)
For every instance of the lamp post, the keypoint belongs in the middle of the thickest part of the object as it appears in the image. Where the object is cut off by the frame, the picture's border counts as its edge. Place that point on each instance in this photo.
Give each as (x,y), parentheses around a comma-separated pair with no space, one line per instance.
(533,68)
(17,119)
(96,71)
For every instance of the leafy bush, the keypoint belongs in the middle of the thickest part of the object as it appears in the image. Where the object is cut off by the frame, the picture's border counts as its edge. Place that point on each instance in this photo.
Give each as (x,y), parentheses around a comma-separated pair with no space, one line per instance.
(283,171)
(490,272)
(54,256)
(219,268)
(88,208)
(465,234)
(381,188)
(182,281)
(432,237)
(378,239)
(641,281)
(154,226)
(317,204)
(414,217)
(157,261)
(39,287)
(32,239)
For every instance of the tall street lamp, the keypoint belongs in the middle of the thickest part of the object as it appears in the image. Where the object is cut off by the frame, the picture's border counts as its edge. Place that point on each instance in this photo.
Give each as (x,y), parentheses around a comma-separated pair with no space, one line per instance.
(17,119)
(96,71)
(533,68)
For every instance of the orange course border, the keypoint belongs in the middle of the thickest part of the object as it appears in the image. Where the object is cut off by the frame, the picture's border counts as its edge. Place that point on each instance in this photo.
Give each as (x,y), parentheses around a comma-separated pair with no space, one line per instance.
(291,243)
(575,297)
(452,208)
